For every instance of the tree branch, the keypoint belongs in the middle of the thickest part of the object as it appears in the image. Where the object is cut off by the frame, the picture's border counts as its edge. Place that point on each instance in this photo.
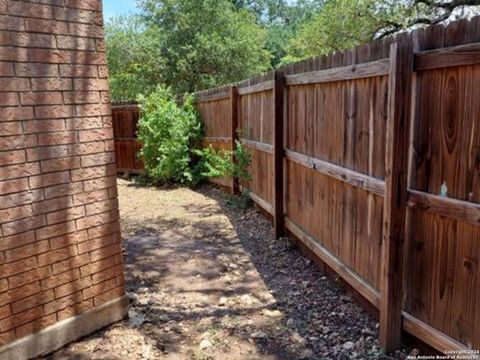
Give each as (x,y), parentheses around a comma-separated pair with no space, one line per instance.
(446,9)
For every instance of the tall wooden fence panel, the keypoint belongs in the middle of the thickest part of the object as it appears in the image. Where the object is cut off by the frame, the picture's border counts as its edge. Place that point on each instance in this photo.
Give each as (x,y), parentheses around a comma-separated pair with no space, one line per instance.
(125,117)
(255,114)
(443,251)
(215,112)
(329,125)
(379,158)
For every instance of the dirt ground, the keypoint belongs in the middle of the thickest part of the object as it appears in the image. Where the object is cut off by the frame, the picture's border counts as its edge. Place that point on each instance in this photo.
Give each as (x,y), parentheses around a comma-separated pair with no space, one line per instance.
(208,281)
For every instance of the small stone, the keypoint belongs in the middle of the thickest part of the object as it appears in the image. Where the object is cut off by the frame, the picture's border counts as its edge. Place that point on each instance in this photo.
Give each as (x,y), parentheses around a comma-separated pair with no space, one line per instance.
(296,338)
(259,335)
(143,300)
(348,345)
(289,322)
(247,299)
(222,301)
(132,296)
(367,331)
(205,344)
(414,352)
(135,318)
(272,313)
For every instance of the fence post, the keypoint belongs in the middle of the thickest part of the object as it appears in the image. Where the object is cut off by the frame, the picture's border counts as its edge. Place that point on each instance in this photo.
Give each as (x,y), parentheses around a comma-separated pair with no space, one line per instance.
(278,153)
(396,169)
(234,135)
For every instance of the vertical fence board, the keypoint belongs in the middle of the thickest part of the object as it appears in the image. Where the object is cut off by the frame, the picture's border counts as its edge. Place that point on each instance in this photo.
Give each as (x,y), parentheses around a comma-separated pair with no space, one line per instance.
(234,133)
(398,126)
(278,153)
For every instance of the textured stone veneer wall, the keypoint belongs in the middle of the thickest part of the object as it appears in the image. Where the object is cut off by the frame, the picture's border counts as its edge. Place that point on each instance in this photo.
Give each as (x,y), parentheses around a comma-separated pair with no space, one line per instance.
(60,247)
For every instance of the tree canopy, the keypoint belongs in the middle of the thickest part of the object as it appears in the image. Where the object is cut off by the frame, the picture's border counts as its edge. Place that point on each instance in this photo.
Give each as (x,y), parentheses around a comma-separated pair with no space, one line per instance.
(191,45)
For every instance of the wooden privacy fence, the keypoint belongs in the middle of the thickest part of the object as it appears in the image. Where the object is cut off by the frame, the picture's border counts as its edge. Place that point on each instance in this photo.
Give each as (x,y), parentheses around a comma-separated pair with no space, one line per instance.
(371,157)
(125,117)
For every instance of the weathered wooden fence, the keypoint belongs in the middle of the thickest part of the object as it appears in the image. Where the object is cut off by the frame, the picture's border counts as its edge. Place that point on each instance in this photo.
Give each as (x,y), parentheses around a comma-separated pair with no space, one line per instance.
(371,157)
(125,116)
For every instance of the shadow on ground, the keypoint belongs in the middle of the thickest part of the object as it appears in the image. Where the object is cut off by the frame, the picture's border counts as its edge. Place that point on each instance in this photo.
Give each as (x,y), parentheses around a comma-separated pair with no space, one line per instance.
(209,281)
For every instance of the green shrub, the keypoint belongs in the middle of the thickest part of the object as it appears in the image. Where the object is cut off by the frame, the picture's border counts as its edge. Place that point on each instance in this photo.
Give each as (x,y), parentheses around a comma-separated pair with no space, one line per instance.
(218,163)
(171,137)
(168,132)
(240,202)
(212,163)
(243,159)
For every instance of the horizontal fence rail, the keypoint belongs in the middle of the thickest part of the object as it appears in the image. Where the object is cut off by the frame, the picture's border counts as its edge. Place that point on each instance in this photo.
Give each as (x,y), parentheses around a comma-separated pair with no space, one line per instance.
(370,158)
(352,72)
(354,178)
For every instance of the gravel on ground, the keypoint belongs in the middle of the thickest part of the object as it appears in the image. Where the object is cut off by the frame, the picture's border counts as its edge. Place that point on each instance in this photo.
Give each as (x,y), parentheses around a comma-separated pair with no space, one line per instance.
(207,280)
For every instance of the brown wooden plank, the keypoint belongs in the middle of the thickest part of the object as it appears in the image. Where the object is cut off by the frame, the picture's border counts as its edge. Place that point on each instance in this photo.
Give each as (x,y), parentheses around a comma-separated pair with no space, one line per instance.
(461,55)
(442,270)
(213,97)
(351,72)
(125,118)
(234,135)
(258,145)
(412,266)
(123,107)
(215,116)
(350,276)
(398,126)
(262,203)
(452,208)
(278,154)
(351,177)
(252,89)
(217,139)
(430,335)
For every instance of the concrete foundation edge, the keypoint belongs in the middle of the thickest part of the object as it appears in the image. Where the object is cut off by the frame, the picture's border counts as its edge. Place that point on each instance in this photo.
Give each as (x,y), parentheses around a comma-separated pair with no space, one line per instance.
(64,332)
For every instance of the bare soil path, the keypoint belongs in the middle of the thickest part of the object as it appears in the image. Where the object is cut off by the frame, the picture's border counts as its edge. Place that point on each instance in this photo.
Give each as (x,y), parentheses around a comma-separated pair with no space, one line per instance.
(208,281)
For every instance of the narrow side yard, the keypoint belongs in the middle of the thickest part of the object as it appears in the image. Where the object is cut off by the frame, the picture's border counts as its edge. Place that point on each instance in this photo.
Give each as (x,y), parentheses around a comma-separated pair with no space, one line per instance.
(208,281)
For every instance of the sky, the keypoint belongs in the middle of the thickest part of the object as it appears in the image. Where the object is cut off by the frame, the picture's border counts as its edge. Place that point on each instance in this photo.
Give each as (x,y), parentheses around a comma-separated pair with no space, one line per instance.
(118,7)
(124,7)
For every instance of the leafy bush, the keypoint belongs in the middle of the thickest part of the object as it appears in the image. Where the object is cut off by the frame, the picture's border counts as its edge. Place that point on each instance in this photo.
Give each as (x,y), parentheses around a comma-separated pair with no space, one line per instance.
(243,159)
(171,137)
(212,163)
(240,202)
(168,132)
